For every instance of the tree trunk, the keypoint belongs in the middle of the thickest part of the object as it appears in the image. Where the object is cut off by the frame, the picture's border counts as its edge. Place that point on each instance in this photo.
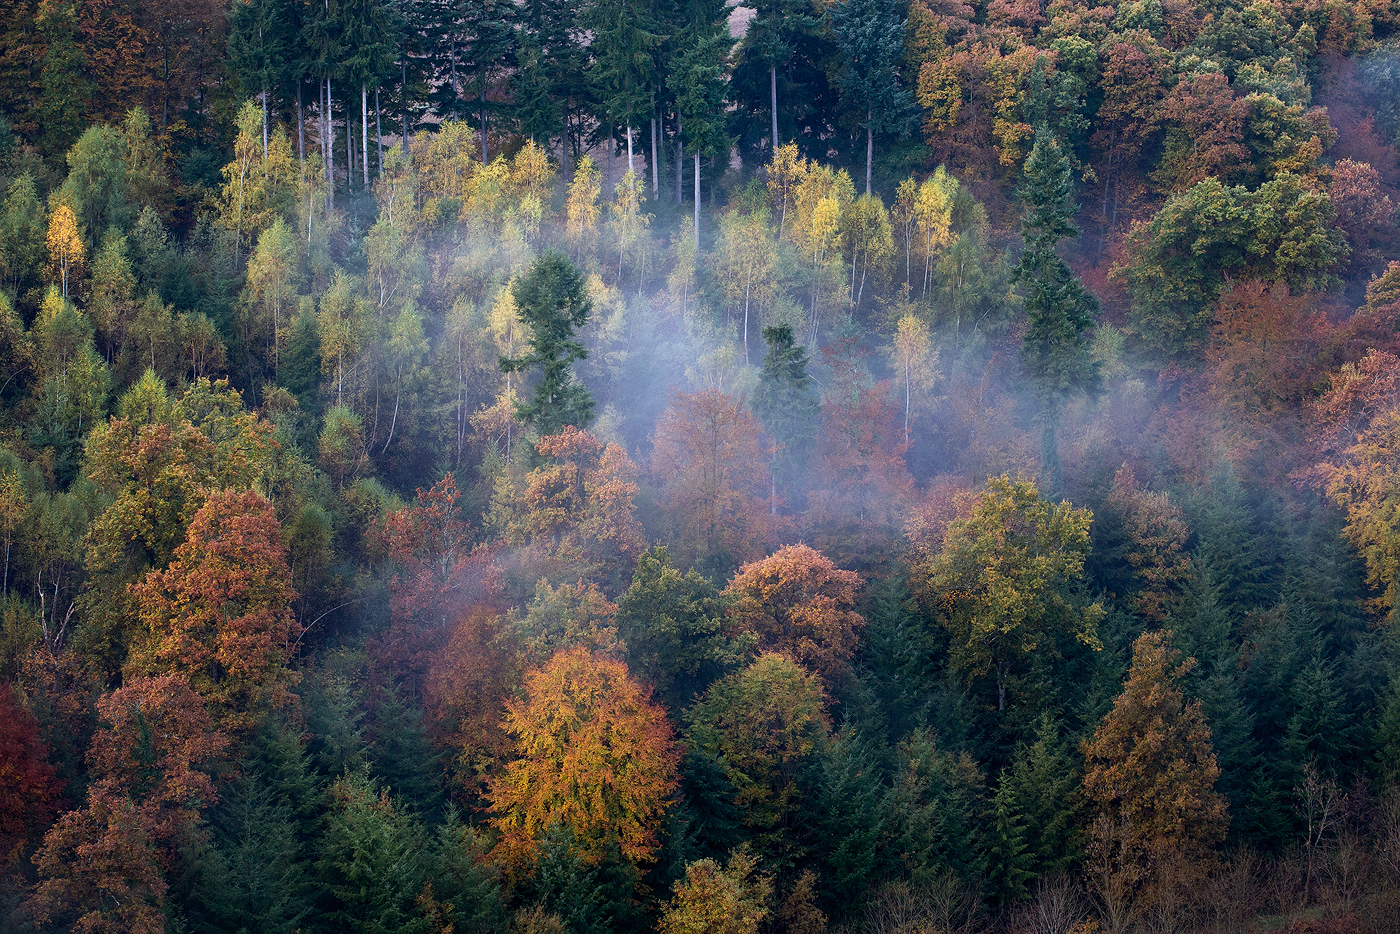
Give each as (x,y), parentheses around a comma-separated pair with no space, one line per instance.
(629,146)
(869,144)
(403,107)
(349,149)
(697,201)
(264,108)
(301,127)
(680,161)
(329,143)
(773,89)
(655,178)
(379,131)
(364,134)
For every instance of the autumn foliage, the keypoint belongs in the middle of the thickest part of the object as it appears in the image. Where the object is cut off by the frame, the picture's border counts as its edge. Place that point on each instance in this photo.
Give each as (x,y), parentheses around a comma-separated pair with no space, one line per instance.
(220,613)
(594,755)
(800,604)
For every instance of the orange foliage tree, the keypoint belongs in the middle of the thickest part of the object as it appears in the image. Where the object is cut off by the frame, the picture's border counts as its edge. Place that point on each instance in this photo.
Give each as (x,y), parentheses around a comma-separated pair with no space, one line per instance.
(1150,770)
(575,513)
(1357,429)
(221,612)
(800,604)
(596,756)
(101,867)
(711,461)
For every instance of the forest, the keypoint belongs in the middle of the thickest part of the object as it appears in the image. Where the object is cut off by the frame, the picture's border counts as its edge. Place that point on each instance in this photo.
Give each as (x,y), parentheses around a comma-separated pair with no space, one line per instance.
(621,466)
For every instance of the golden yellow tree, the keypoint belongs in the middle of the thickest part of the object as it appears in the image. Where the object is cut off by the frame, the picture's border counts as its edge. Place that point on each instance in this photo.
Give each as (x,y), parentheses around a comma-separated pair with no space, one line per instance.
(581,206)
(1150,773)
(915,359)
(66,254)
(719,900)
(595,756)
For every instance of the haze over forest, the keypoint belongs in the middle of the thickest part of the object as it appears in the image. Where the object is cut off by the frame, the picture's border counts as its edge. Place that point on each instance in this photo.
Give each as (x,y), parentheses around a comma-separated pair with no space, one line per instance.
(868,467)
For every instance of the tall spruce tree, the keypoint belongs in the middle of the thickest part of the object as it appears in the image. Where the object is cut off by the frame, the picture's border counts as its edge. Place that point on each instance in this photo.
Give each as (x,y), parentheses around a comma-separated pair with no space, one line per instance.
(785,403)
(623,71)
(697,79)
(1059,312)
(870,35)
(552,302)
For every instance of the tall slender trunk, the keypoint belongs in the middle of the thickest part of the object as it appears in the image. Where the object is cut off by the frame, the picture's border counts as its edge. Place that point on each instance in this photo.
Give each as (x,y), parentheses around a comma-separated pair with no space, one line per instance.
(629,145)
(869,144)
(379,131)
(680,161)
(328,144)
(655,179)
(301,127)
(264,108)
(773,91)
(697,201)
(403,107)
(364,133)
(349,148)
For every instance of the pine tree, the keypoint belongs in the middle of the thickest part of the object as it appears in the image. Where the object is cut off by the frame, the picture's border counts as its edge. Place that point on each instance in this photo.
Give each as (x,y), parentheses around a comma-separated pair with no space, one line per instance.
(553,304)
(1059,311)
(788,407)
(65,92)
(1008,863)
(870,35)
(697,80)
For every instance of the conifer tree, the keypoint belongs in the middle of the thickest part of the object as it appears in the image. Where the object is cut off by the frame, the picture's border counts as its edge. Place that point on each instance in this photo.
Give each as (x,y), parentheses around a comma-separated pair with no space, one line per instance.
(553,304)
(1151,769)
(870,35)
(788,407)
(1059,311)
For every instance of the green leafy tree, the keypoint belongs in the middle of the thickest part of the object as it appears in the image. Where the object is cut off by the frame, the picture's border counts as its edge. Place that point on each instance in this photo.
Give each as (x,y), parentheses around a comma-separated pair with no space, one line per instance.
(733,899)
(1059,311)
(553,304)
(673,626)
(1005,579)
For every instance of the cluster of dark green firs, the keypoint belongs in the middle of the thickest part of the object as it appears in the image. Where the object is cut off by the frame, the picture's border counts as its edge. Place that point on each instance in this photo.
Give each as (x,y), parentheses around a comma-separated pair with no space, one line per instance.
(485,466)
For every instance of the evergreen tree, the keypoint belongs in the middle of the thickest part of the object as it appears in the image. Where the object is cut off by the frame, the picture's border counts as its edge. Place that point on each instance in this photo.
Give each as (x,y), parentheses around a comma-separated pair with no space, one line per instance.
(788,407)
(622,71)
(402,757)
(488,45)
(464,879)
(263,49)
(774,31)
(1008,862)
(870,35)
(1058,309)
(553,303)
(697,81)
(64,91)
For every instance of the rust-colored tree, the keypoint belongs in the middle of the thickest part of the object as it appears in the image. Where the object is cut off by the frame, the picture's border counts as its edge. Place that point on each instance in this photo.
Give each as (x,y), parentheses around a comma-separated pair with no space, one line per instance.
(28,791)
(101,868)
(800,604)
(1139,546)
(596,756)
(467,683)
(1150,772)
(574,514)
(711,461)
(863,485)
(1357,431)
(221,612)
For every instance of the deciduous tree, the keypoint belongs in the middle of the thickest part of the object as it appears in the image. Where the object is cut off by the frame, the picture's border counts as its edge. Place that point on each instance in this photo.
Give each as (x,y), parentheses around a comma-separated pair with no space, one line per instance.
(595,756)
(733,899)
(1005,579)
(798,603)
(221,612)
(711,458)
